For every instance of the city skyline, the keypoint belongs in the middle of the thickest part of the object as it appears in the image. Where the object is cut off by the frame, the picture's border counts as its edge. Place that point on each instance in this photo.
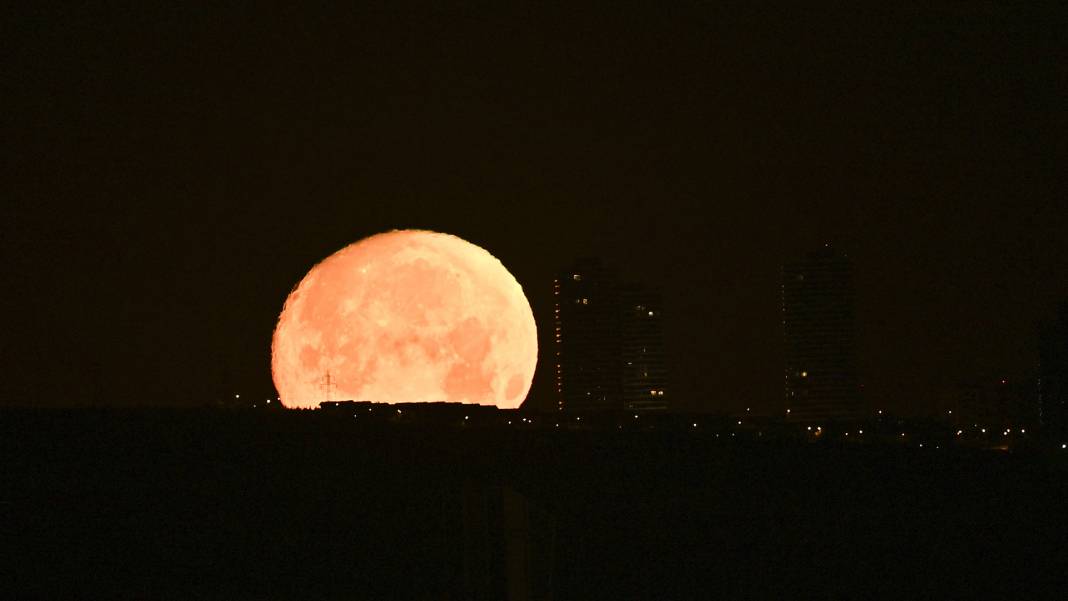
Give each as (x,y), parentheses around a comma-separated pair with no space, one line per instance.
(160,216)
(526,301)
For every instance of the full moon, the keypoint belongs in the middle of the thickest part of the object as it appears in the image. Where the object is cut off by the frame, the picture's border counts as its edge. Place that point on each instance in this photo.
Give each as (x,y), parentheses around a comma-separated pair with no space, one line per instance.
(402,317)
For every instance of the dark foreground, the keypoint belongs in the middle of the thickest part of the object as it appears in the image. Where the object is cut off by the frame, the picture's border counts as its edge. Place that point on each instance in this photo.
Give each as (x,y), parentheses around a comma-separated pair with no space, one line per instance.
(302,506)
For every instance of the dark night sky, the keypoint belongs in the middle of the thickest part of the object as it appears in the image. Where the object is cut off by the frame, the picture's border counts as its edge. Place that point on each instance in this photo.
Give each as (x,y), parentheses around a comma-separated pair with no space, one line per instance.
(171,173)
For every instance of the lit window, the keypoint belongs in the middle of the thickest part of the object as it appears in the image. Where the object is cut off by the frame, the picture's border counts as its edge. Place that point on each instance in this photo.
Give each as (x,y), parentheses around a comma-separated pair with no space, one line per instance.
(585,301)
(804,374)
(650,314)
(577,277)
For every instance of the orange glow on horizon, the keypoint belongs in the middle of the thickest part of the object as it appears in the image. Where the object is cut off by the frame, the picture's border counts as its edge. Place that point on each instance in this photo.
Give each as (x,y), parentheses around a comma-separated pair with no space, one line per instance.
(406,316)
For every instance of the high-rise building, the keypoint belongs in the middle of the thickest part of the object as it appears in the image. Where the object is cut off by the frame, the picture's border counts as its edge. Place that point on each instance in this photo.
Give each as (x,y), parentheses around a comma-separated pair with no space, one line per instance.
(587,337)
(818,306)
(609,352)
(643,365)
(1053,374)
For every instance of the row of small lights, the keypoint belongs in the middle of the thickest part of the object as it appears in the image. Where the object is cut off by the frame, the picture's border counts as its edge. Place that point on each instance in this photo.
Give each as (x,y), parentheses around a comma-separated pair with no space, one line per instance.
(819,429)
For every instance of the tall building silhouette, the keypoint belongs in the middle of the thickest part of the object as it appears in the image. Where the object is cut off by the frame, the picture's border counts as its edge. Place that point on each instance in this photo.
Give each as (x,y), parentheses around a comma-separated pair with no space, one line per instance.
(818,306)
(1053,374)
(643,365)
(609,352)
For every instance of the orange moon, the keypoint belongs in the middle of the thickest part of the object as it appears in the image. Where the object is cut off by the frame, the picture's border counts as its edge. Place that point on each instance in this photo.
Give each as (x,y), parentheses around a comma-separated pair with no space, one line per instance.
(402,317)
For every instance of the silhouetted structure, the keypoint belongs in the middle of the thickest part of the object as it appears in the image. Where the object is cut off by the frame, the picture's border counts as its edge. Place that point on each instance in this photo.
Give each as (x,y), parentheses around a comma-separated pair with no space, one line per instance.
(1053,374)
(507,544)
(609,346)
(644,366)
(818,300)
(996,405)
(587,338)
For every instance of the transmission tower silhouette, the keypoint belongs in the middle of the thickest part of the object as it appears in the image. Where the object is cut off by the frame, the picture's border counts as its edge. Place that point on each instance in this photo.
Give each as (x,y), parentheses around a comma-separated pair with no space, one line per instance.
(328,385)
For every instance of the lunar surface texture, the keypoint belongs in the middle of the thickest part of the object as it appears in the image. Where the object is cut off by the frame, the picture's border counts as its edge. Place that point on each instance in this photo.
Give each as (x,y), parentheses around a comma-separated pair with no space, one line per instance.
(406,316)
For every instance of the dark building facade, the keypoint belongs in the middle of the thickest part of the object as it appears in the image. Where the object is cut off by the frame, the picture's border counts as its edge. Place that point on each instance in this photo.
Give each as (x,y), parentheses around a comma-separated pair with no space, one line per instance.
(996,404)
(1053,374)
(818,305)
(609,352)
(643,365)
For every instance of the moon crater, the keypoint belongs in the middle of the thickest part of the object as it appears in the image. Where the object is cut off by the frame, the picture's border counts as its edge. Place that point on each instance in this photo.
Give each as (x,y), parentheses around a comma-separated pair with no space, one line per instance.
(406,316)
